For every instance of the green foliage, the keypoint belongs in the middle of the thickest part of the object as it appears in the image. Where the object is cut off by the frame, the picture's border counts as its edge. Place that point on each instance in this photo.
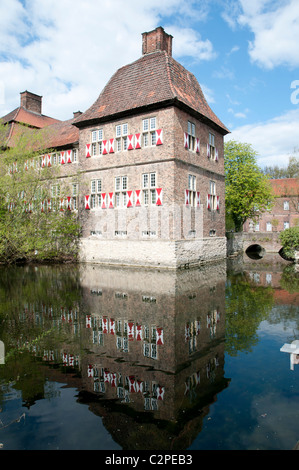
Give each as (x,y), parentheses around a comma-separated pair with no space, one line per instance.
(247,190)
(30,228)
(246,306)
(290,241)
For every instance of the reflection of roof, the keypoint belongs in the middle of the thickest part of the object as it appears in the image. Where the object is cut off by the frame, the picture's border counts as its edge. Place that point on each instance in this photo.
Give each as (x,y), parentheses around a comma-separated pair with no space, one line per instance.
(283,297)
(154,80)
(285,187)
(24,116)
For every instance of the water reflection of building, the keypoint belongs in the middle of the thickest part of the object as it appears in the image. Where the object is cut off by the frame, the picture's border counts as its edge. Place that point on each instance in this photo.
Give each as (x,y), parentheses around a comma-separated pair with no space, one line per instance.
(156,342)
(144,349)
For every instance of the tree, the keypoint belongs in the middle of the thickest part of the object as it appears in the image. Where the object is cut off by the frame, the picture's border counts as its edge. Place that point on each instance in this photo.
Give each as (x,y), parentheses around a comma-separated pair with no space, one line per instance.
(33,224)
(291,171)
(290,241)
(247,190)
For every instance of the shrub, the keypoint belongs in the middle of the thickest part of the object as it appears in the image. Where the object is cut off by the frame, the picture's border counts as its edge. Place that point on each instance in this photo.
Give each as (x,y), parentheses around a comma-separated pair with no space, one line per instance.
(290,241)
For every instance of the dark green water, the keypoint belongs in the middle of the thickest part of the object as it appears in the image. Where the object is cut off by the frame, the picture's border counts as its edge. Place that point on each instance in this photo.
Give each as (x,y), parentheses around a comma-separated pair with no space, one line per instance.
(126,359)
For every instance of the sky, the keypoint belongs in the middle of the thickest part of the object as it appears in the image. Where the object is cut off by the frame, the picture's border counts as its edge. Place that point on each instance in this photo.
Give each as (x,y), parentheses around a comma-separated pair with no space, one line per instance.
(244,54)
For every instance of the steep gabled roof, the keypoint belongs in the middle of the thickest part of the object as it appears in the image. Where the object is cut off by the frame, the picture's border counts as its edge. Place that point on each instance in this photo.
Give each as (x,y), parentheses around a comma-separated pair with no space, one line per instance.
(153,81)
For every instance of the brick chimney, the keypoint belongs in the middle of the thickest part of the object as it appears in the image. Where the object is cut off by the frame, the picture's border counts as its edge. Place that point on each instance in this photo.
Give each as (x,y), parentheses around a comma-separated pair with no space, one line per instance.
(31,102)
(156,40)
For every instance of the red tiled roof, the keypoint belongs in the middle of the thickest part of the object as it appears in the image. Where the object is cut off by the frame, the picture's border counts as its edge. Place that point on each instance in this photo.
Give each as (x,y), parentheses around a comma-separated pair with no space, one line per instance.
(24,116)
(285,187)
(61,134)
(152,80)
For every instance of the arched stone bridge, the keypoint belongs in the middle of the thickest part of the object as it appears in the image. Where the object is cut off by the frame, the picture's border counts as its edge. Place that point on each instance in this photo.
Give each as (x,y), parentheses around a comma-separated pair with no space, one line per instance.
(255,244)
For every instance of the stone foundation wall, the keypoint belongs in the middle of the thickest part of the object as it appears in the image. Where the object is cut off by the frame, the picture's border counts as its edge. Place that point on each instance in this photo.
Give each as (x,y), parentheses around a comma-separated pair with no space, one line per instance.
(152,253)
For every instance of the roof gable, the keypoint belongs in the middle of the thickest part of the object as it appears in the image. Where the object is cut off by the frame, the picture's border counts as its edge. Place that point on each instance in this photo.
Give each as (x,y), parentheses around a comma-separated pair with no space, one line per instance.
(154,80)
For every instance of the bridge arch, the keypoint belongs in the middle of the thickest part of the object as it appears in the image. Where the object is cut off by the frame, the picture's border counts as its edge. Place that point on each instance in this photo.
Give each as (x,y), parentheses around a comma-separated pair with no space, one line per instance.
(255,251)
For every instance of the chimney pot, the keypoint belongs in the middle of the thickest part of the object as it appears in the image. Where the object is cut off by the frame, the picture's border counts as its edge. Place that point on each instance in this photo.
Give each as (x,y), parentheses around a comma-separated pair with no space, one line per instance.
(31,102)
(156,40)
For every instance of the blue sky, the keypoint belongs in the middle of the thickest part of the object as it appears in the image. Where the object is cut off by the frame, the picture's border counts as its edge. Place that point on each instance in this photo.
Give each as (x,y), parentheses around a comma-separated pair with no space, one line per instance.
(244,55)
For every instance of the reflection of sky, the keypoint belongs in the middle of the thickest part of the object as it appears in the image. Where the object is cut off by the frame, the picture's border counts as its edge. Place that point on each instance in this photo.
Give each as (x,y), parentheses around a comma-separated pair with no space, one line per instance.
(56,423)
(260,408)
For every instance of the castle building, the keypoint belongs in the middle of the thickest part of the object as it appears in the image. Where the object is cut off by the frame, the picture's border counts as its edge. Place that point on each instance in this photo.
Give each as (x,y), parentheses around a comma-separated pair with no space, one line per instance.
(149,152)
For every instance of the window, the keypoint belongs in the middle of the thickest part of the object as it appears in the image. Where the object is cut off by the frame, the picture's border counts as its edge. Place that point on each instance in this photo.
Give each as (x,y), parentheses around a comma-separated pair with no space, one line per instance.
(75,155)
(149,131)
(75,189)
(149,184)
(213,196)
(95,189)
(93,149)
(96,142)
(191,135)
(286,205)
(286,225)
(269,227)
(55,190)
(92,201)
(192,190)
(121,186)
(212,146)
(121,132)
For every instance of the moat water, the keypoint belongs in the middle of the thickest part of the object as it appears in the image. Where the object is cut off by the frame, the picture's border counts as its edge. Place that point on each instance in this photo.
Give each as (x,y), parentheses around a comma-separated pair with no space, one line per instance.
(98,358)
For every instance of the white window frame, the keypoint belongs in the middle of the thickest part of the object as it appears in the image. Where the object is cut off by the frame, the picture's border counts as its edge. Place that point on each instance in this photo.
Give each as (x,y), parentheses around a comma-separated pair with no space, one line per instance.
(121,186)
(191,136)
(213,195)
(212,146)
(286,205)
(149,185)
(149,126)
(192,190)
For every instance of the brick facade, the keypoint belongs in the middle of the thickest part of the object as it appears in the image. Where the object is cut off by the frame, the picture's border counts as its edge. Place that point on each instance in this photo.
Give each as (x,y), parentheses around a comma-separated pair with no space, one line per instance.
(149,165)
(285,212)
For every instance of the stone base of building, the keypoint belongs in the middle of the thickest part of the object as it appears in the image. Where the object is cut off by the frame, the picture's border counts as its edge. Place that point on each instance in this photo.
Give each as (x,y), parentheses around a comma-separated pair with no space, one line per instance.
(171,254)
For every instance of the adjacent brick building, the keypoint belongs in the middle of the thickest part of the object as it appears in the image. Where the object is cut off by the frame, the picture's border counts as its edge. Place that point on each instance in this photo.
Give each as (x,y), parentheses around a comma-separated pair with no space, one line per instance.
(285,212)
(149,153)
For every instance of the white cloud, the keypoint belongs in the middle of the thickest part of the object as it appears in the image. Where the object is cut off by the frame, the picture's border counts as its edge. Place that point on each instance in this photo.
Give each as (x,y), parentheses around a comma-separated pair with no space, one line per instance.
(274,24)
(67,50)
(273,140)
